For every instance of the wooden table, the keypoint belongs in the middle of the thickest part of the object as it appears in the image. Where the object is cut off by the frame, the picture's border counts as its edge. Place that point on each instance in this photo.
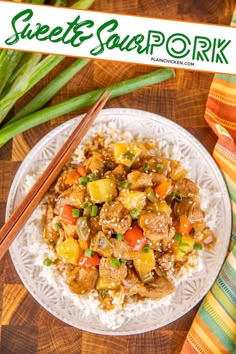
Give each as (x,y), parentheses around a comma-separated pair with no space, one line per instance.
(25,326)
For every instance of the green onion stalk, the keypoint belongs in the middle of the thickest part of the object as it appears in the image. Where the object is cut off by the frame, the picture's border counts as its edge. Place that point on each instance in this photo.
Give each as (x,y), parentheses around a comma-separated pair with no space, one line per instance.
(29,74)
(10,59)
(82,101)
(49,91)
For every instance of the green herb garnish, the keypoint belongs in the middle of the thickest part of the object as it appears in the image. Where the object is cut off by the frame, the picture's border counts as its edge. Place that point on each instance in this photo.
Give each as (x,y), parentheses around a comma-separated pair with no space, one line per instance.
(129,155)
(160,166)
(90,177)
(184,244)
(146,248)
(109,201)
(123,184)
(56,227)
(123,260)
(197,246)
(107,164)
(120,237)
(178,196)
(86,205)
(147,169)
(89,253)
(114,262)
(178,236)
(75,213)
(47,262)
(94,210)
(134,213)
(83,180)
(103,293)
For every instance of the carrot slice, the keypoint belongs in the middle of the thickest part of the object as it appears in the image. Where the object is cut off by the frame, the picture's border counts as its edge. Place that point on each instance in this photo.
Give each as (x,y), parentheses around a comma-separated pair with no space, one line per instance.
(163,189)
(81,170)
(185,225)
(71,177)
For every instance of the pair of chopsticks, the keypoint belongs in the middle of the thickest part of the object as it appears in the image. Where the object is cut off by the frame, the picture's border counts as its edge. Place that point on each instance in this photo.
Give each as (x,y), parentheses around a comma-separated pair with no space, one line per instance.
(22,213)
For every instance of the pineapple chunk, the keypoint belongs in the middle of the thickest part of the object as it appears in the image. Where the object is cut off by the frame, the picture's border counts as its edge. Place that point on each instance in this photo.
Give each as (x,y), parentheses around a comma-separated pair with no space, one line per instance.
(132,199)
(69,250)
(144,264)
(125,153)
(163,207)
(104,284)
(184,246)
(102,190)
(177,171)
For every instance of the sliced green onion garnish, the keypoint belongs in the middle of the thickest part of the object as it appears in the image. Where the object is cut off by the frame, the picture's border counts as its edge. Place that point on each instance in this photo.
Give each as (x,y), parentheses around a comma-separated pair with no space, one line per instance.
(146,248)
(107,163)
(94,210)
(120,237)
(177,196)
(123,260)
(160,166)
(128,155)
(83,180)
(89,253)
(86,205)
(147,169)
(123,184)
(134,213)
(104,293)
(56,227)
(178,236)
(184,244)
(47,262)
(197,246)
(75,213)
(90,177)
(127,169)
(109,201)
(114,262)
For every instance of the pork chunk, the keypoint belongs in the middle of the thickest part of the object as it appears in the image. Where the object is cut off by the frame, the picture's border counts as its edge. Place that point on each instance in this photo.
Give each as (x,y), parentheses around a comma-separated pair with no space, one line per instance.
(157,289)
(155,225)
(166,263)
(119,172)
(50,235)
(60,185)
(74,196)
(157,178)
(191,208)
(95,162)
(139,180)
(186,188)
(122,250)
(81,280)
(110,273)
(115,218)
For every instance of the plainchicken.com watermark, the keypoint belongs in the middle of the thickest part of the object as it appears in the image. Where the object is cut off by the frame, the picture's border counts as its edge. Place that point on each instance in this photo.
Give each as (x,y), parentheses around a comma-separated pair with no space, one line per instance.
(172,61)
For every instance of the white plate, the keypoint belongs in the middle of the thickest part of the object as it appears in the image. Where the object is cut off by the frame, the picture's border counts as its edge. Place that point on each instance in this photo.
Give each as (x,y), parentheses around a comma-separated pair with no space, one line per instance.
(202,169)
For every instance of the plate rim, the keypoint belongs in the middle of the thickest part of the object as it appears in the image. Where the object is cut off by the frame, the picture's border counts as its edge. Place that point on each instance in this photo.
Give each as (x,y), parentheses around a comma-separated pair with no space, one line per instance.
(106,112)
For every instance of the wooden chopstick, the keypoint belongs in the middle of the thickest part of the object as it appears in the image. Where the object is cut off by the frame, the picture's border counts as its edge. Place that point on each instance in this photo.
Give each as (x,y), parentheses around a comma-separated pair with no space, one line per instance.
(21,214)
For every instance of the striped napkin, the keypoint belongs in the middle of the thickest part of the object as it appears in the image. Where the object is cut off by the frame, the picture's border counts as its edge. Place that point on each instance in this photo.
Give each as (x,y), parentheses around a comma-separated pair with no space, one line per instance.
(214,327)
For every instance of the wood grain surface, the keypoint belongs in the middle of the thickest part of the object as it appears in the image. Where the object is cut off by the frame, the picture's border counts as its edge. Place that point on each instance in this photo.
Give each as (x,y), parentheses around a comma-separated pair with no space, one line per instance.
(25,326)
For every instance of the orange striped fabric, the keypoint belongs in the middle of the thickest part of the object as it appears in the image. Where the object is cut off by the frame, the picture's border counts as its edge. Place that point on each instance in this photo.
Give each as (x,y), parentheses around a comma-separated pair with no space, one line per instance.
(214,327)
